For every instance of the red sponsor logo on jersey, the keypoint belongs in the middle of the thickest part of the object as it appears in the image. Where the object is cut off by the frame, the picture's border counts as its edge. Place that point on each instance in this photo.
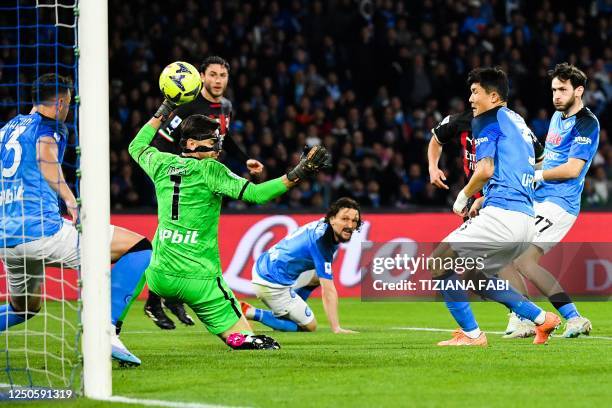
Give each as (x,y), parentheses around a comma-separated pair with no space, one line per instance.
(554,139)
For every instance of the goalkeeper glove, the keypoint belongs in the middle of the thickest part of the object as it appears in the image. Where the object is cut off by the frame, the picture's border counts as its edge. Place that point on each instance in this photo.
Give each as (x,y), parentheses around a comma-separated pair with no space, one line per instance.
(315,159)
(239,341)
(165,110)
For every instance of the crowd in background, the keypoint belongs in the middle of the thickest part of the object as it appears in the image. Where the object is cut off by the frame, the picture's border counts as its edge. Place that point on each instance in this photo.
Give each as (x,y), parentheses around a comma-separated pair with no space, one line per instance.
(368,79)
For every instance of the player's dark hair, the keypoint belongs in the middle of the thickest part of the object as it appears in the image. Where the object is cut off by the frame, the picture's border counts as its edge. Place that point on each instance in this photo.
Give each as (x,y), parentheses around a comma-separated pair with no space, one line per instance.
(48,86)
(491,79)
(197,127)
(214,59)
(565,71)
(343,202)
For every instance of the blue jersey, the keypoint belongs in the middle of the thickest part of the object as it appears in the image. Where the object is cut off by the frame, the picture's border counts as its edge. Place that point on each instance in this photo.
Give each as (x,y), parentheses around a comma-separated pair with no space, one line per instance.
(29,206)
(311,246)
(502,135)
(576,136)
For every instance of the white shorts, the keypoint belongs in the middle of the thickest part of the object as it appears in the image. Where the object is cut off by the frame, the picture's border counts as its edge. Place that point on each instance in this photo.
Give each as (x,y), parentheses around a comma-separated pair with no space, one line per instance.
(25,263)
(496,235)
(552,224)
(283,301)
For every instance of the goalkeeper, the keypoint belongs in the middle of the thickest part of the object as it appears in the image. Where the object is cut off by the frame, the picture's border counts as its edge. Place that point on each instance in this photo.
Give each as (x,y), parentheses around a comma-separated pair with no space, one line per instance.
(185,265)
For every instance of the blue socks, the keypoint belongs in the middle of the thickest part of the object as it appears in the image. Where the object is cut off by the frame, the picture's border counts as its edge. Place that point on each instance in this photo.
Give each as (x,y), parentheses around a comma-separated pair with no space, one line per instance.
(568,311)
(305,291)
(513,300)
(8,317)
(127,278)
(267,317)
(563,303)
(457,302)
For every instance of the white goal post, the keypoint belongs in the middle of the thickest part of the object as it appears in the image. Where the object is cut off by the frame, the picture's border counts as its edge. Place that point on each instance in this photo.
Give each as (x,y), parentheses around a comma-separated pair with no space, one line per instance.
(95,200)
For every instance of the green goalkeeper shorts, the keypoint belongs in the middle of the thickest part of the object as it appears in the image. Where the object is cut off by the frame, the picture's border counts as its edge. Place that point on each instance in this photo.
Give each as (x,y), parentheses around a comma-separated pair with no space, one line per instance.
(211,299)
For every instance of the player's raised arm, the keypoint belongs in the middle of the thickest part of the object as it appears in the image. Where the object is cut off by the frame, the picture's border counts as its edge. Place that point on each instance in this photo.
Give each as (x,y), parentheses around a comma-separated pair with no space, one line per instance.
(140,148)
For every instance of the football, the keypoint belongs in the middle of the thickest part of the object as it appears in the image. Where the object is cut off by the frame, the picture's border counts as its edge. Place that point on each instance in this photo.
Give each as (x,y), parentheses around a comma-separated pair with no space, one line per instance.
(180,82)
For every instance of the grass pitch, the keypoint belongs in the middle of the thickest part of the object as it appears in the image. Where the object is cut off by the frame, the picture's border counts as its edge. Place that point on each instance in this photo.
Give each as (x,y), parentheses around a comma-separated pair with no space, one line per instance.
(384,365)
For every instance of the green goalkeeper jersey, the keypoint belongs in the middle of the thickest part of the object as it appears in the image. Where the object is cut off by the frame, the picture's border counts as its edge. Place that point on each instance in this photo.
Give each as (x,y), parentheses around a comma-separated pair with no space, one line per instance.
(189,193)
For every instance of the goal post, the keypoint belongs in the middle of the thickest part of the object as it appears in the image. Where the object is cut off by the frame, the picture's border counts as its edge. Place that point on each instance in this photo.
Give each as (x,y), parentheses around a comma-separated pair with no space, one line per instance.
(93,97)
(65,343)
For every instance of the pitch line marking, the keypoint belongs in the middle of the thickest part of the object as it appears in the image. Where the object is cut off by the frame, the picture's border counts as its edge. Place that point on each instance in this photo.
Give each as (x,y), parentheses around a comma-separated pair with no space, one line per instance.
(433,329)
(161,403)
(429,329)
(139,401)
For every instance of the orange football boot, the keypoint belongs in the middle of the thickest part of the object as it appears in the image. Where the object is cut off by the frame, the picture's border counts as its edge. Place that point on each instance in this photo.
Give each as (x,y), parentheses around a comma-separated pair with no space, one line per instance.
(461,339)
(543,331)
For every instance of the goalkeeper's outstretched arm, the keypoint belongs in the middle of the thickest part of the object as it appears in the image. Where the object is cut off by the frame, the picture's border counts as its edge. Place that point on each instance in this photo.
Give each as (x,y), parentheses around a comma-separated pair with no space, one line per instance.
(222,181)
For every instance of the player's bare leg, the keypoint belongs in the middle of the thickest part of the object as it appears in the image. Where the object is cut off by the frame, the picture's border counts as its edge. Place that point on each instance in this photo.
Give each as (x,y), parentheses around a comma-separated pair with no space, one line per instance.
(527,264)
(122,241)
(310,327)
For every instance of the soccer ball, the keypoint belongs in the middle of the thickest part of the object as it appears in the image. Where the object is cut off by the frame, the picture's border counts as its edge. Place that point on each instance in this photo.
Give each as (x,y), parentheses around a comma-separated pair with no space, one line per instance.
(180,82)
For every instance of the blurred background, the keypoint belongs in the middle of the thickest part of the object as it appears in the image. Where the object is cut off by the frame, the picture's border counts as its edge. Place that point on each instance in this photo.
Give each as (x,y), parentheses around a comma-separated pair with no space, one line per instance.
(368,79)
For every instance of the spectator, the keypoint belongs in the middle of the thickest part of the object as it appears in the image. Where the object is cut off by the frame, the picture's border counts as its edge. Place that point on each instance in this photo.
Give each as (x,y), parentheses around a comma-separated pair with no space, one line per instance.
(370,88)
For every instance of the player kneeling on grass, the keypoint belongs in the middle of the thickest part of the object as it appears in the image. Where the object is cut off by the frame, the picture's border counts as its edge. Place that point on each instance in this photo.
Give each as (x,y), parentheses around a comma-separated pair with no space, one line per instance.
(185,265)
(286,274)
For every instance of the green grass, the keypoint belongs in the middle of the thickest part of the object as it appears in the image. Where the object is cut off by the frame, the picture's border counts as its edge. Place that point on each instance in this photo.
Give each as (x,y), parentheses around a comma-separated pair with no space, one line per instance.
(381,366)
